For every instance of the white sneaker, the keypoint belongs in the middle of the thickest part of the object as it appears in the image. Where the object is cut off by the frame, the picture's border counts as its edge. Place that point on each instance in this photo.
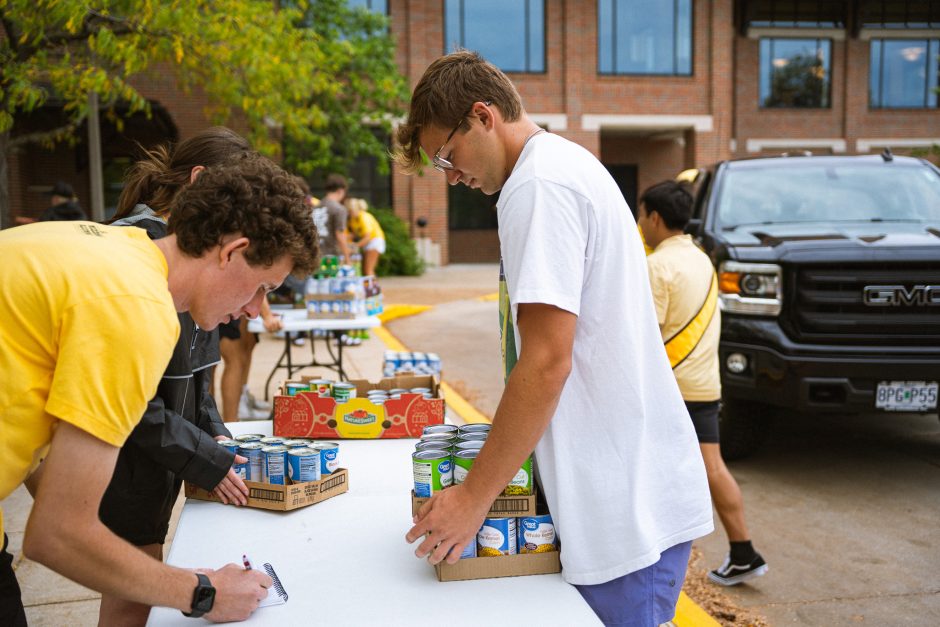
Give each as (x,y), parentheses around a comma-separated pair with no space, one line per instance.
(257,403)
(246,412)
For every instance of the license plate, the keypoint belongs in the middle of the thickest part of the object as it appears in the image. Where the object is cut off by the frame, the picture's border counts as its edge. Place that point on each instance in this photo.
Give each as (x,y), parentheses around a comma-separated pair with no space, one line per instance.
(906,395)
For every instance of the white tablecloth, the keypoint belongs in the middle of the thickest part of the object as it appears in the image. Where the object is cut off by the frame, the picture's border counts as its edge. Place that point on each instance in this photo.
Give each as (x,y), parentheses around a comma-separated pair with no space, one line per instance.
(345,561)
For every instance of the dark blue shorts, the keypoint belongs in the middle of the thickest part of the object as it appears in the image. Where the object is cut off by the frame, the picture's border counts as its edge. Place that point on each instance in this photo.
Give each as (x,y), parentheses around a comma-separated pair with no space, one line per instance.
(644,598)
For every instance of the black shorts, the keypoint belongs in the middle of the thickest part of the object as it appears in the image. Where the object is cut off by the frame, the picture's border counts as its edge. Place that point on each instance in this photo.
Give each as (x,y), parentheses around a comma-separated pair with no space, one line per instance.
(230,330)
(705,419)
(138,502)
(11,601)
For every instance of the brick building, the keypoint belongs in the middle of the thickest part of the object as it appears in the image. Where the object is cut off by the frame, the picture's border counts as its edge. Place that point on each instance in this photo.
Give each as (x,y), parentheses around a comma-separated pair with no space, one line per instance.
(653,87)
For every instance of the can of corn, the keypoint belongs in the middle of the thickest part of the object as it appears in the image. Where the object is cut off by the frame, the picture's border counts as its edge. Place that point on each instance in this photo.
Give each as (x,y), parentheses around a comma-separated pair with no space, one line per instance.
(254,465)
(463,461)
(275,464)
(480,427)
(329,456)
(521,484)
(342,392)
(448,429)
(497,537)
(303,464)
(537,534)
(433,471)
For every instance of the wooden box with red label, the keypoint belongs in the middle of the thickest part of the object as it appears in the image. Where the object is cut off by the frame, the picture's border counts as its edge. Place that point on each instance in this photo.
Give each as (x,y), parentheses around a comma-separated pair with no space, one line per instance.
(308,415)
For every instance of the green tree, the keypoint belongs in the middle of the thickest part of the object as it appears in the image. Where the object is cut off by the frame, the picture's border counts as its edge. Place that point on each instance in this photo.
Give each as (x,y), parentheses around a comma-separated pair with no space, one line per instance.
(314,74)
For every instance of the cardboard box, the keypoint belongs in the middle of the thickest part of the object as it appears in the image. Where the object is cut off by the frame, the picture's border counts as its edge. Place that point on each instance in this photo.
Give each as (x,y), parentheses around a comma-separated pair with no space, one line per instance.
(502,566)
(284,498)
(307,415)
(502,507)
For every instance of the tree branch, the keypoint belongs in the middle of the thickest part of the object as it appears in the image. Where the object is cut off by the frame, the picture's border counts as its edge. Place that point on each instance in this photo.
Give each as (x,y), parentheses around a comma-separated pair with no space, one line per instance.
(53,135)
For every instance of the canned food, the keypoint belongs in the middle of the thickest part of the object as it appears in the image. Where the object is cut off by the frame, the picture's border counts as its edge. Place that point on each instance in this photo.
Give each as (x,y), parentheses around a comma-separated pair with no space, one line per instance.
(432,445)
(434,362)
(448,438)
(450,429)
(275,464)
(254,466)
(473,435)
(469,445)
(329,456)
(293,388)
(296,443)
(230,445)
(521,484)
(249,437)
(433,471)
(497,537)
(537,534)
(323,387)
(271,440)
(479,427)
(469,551)
(420,390)
(342,392)
(303,464)
(398,391)
(463,461)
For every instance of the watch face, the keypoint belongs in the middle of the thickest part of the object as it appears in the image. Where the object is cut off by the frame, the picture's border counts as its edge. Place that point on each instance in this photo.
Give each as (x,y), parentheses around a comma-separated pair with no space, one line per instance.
(204,598)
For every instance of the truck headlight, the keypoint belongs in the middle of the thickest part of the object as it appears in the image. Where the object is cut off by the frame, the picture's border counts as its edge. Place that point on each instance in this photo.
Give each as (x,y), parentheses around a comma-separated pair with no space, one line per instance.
(750,288)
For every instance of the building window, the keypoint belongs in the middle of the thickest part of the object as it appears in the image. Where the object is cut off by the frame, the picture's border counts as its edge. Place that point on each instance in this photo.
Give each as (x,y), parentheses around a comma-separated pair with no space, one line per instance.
(470,209)
(795,72)
(376,6)
(510,34)
(899,14)
(644,37)
(795,14)
(903,73)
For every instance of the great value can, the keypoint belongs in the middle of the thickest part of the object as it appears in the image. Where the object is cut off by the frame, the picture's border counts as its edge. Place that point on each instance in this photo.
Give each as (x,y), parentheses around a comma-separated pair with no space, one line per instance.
(432,445)
(463,461)
(303,464)
(342,392)
(433,471)
(329,456)
(521,484)
(497,537)
(477,427)
(449,438)
(271,440)
(255,463)
(230,445)
(275,464)
(249,437)
(296,443)
(469,445)
(449,429)
(537,534)
(472,435)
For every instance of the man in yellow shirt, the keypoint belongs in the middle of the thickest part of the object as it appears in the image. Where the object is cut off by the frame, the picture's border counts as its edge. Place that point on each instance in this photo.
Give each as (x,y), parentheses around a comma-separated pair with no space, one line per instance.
(685,296)
(89,323)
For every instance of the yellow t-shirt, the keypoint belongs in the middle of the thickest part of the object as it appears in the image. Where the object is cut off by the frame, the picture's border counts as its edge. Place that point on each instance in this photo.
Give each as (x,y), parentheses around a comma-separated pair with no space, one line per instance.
(680,276)
(365,226)
(87,328)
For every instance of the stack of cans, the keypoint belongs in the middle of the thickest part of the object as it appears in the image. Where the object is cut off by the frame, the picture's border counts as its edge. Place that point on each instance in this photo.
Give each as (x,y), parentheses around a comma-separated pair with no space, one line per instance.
(410,363)
(275,460)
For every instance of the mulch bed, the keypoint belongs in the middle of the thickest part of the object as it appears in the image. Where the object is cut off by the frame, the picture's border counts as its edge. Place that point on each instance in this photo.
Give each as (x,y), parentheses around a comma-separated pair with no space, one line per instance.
(709,597)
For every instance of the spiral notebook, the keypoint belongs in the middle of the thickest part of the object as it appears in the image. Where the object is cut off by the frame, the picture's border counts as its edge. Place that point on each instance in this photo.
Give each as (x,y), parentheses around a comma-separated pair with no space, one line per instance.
(277,595)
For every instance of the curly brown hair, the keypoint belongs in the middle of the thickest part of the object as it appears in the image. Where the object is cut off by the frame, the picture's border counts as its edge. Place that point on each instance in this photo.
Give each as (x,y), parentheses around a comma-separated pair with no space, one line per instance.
(250,195)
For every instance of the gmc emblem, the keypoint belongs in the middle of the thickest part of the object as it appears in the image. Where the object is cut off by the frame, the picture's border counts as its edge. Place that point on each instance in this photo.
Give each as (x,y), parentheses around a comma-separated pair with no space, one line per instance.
(897,295)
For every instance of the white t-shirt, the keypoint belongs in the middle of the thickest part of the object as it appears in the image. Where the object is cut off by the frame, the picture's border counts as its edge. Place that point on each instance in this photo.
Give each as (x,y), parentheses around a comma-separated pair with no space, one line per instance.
(619,463)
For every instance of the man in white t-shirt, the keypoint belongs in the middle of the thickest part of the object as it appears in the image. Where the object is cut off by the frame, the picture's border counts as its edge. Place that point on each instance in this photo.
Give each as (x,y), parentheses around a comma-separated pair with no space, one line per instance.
(589,387)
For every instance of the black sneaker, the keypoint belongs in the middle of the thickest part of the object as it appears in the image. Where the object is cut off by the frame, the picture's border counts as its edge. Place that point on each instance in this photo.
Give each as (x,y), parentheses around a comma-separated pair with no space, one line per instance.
(732,574)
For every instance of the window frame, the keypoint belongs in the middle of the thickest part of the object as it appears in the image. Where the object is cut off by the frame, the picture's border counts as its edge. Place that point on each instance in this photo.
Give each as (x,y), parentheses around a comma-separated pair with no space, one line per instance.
(543,71)
(760,69)
(675,56)
(933,44)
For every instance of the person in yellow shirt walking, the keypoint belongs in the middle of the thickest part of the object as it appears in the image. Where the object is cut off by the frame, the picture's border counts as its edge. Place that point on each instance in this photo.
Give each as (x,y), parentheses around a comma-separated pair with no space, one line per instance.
(685,295)
(366,233)
(88,327)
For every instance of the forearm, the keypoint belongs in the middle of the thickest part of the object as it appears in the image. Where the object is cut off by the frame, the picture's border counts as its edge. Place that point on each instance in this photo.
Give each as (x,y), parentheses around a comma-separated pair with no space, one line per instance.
(526,408)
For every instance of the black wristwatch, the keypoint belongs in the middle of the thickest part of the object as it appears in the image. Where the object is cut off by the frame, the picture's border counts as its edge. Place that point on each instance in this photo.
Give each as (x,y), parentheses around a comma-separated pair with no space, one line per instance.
(203,597)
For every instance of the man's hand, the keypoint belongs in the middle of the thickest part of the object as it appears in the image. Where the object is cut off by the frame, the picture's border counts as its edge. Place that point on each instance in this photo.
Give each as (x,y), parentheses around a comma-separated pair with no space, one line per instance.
(232,489)
(237,592)
(451,520)
(272,323)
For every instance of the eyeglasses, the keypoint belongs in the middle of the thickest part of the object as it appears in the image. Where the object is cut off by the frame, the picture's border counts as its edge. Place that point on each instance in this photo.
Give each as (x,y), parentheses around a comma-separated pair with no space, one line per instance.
(440,163)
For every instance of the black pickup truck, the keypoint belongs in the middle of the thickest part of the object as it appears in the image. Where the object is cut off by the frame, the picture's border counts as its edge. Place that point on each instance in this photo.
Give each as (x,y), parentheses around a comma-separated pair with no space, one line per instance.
(829,274)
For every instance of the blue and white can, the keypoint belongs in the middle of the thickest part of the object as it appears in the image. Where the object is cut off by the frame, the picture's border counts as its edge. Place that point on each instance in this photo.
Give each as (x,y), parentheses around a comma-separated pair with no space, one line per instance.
(497,537)
(537,534)
(434,363)
(303,464)
(275,464)
(255,464)
(329,456)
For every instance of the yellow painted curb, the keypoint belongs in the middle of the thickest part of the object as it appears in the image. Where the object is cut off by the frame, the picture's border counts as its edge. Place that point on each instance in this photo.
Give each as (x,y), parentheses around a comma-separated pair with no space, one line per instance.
(390,341)
(689,614)
(489,297)
(393,312)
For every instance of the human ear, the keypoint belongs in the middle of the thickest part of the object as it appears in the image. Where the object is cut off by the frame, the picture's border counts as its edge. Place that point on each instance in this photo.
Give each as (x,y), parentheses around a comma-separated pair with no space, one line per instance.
(228,249)
(194,174)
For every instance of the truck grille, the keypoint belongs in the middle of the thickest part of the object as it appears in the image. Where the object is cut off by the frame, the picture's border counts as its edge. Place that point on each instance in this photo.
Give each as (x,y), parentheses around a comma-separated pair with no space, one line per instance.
(828,305)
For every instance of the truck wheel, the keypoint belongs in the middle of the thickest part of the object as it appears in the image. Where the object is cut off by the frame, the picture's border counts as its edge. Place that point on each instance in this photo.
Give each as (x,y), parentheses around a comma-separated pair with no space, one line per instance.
(743,426)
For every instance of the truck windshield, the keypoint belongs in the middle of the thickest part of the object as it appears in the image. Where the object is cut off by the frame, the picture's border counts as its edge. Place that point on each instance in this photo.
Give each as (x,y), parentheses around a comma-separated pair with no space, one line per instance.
(810,192)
